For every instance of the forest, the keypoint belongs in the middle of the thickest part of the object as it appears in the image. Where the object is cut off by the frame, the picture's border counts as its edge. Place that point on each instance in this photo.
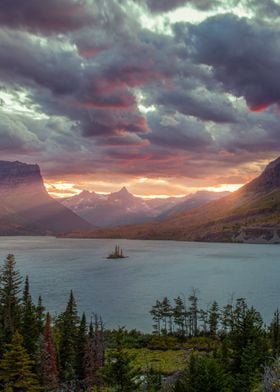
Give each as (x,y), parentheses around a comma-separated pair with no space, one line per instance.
(218,349)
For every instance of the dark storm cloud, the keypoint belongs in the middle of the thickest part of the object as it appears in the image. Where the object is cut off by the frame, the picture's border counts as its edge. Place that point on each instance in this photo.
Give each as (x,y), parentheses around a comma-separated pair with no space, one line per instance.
(201,104)
(28,61)
(245,57)
(177,131)
(45,16)
(15,135)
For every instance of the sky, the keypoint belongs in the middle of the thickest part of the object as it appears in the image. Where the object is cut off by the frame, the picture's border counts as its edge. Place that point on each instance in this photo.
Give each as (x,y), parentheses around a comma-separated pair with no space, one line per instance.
(163,97)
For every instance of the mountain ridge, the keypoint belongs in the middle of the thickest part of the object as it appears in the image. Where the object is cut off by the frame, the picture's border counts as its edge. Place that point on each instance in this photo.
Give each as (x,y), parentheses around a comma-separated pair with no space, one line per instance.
(122,207)
(250,214)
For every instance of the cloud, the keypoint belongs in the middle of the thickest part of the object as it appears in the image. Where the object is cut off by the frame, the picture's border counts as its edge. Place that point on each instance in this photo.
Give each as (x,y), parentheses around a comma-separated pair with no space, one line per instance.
(244,56)
(159,6)
(108,97)
(45,17)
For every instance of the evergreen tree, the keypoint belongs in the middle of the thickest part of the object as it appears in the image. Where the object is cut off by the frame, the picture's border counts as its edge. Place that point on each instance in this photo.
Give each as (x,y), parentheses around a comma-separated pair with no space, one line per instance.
(16,368)
(81,347)
(49,370)
(179,315)
(29,328)
(166,312)
(247,345)
(68,325)
(119,372)
(10,283)
(40,316)
(275,334)
(203,374)
(214,317)
(94,355)
(194,312)
(157,317)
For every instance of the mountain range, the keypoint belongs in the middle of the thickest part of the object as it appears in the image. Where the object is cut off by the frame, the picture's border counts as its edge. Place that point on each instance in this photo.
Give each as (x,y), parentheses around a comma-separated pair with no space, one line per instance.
(250,214)
(26,207)
(122,207)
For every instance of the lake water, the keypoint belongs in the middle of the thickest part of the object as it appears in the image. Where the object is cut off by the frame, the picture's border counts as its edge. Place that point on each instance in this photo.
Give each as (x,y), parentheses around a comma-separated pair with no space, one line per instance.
(123,291)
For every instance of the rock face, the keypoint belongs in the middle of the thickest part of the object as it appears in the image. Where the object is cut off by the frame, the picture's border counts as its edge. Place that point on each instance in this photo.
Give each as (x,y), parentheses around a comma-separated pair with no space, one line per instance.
(26,207)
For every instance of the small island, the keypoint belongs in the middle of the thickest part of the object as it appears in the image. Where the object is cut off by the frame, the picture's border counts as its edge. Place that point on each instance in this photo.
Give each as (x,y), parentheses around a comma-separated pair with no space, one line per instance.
(117,254)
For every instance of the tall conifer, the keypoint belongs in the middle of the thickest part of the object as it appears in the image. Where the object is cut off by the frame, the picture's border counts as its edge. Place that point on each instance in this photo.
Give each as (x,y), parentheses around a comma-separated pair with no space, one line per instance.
(16,368)
(10,283)
(49,370)
(68,325)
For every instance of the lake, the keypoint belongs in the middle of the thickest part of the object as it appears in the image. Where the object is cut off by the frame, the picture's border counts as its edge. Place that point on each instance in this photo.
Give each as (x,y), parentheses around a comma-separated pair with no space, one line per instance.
(123,291)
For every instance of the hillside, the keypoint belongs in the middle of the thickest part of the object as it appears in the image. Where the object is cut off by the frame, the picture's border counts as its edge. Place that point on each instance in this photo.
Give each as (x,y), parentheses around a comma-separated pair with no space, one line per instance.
(251,214)
(26,208)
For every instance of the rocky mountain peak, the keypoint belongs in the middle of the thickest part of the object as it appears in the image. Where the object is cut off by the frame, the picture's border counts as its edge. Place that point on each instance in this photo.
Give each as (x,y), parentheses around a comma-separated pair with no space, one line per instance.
(17,174)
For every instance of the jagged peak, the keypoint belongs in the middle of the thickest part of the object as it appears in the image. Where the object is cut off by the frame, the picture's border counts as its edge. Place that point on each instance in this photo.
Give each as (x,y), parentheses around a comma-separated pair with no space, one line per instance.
(123,191)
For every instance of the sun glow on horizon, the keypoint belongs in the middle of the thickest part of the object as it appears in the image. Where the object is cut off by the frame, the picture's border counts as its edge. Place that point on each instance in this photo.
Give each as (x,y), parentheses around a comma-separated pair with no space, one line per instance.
(224,188)
(62,189)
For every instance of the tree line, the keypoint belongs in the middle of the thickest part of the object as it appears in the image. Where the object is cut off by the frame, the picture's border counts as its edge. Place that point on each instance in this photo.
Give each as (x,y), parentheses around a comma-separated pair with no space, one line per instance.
(247,351)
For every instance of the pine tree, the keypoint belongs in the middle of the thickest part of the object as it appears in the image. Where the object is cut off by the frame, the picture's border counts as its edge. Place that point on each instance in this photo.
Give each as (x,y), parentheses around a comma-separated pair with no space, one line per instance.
(16,368)
(275,334)
(10,283)
(194,312)
(81,347)
(166,312)
(29,328)
(119,372)
(203,374)
(68,325)
(214,317)
(179,315)
(40,316)
(94,355)
(49,370)
(157,317)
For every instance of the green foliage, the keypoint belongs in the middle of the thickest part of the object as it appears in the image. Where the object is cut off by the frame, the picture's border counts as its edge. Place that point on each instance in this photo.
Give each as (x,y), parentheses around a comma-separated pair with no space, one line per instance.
(9,298)
(28,326)
(81,347)
(48,369)
(68,325)
(203,374)
(162,362)
(16,368)
(275,334)
(119,372)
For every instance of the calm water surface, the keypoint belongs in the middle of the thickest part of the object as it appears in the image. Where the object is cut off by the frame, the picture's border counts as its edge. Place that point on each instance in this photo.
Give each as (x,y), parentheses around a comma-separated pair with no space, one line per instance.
(123,291)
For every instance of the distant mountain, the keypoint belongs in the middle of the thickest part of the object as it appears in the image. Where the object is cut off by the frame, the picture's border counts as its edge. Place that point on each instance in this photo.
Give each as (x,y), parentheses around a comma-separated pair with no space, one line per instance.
(251,214)
(192,201)
(26,207)
(120,208)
